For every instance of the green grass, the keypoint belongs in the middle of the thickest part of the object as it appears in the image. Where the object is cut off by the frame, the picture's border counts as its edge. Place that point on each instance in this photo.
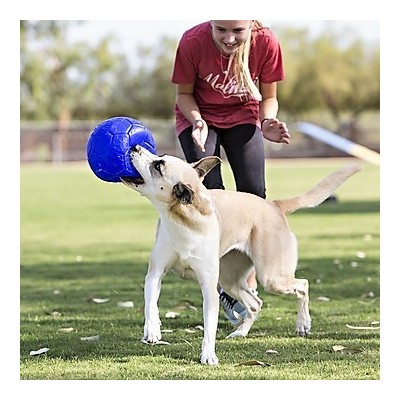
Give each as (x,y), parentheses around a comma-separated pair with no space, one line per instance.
(83,238)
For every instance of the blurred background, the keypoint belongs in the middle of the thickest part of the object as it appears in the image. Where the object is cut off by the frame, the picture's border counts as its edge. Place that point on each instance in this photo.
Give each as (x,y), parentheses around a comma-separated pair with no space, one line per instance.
(74,74)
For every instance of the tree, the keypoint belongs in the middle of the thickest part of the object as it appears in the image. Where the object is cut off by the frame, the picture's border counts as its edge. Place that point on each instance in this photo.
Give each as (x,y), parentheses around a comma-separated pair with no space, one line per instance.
(148,92)
(325,73)
(60,81)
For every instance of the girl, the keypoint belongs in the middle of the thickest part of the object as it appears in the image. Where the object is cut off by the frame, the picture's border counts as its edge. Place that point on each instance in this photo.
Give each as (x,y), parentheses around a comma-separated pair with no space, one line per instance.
(226,75)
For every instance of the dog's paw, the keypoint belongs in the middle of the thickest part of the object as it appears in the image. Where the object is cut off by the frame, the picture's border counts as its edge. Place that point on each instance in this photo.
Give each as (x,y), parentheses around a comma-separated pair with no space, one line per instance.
(151,338)
(303,324)
(303,332)
(304,329)
(152,335)
(236,334)
(209,358)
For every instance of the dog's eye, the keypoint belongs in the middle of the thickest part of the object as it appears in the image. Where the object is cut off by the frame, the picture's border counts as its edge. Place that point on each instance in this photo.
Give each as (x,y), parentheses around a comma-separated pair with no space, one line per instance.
(158,164)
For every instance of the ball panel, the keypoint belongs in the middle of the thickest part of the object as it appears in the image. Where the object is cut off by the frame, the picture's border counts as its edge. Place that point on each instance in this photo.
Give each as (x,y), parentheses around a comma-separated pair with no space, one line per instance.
(109,145)
(104,157)
(118,125)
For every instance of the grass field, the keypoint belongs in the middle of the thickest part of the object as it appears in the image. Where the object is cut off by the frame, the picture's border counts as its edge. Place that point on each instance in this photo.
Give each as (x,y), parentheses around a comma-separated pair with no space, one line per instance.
(83,239)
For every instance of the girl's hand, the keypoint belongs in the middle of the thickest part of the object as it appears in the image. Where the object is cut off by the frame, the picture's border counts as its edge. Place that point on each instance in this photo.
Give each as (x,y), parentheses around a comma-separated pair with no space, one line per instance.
(275,131)
(200,133)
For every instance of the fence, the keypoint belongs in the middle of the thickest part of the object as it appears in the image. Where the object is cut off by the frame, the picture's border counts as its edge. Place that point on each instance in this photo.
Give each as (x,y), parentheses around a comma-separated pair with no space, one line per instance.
(46,141)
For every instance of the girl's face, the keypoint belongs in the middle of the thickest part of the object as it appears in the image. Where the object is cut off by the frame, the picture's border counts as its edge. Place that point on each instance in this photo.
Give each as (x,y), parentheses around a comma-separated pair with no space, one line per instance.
(230,35)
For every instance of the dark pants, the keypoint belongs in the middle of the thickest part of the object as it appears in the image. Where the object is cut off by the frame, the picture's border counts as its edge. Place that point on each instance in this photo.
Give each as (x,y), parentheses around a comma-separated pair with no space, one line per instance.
(244,148)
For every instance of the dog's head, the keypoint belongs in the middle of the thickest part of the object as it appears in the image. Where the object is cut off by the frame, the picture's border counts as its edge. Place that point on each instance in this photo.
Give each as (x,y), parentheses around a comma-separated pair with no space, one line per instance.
(166,179)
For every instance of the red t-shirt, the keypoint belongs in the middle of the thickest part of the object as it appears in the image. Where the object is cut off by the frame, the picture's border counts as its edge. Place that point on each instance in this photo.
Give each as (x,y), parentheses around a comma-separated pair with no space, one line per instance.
(221,101)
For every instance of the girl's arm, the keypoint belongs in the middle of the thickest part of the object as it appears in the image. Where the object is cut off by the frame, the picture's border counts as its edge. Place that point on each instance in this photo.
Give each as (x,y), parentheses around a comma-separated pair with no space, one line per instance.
(189,108)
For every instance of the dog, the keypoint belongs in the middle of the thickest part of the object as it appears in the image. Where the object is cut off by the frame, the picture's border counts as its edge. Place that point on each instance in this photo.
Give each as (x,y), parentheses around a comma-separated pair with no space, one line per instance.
(217,236)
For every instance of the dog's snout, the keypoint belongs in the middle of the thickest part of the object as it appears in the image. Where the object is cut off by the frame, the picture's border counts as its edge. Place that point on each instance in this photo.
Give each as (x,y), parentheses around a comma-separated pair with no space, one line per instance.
(136,149)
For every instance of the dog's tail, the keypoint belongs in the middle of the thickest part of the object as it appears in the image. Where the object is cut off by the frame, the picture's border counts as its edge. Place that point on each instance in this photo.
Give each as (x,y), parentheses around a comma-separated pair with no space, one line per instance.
(320,192)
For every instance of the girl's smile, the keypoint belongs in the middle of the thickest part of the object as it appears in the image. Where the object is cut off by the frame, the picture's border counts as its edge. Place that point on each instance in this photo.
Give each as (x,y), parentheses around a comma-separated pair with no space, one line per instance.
(230,35)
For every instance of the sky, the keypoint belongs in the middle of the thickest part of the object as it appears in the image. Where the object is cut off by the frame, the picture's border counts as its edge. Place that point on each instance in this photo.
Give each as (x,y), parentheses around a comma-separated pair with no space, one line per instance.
(130,34)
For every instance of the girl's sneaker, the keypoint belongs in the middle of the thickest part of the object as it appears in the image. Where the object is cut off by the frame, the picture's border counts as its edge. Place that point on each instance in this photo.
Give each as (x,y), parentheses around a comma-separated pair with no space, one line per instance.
(234,311)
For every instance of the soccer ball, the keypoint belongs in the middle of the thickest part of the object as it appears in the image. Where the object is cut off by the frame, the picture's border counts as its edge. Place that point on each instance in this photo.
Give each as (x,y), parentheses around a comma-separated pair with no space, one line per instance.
(109,145)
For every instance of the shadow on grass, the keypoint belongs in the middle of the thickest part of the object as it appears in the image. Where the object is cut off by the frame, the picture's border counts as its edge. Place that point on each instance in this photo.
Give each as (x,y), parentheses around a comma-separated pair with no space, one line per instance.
(118,346)
(80,271)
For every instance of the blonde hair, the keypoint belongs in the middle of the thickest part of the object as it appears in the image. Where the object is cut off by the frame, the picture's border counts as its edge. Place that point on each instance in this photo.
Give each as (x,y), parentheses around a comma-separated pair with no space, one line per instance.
(240,62)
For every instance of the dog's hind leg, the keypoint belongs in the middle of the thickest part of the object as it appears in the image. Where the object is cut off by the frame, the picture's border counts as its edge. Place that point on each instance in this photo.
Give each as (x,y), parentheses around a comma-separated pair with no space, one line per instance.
(303,323)
(299,288)
(276,265)
(253,306)
(234,270)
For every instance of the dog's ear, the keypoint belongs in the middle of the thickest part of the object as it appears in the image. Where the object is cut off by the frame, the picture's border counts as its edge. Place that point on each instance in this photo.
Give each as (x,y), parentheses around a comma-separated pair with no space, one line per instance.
(205,165)
(183,193)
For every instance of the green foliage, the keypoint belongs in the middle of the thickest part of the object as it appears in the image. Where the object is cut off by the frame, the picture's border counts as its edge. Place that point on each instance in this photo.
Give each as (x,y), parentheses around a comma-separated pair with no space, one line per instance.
(83,238)
(60,81)
(325,73)
(148,91)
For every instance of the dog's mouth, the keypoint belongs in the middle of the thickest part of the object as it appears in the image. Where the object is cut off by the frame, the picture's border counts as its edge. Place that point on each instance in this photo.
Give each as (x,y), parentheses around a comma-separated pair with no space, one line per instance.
(130,180)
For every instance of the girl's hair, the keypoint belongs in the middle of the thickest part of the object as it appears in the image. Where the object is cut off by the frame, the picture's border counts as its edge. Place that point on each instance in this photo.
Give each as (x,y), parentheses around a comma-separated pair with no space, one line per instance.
(240,62)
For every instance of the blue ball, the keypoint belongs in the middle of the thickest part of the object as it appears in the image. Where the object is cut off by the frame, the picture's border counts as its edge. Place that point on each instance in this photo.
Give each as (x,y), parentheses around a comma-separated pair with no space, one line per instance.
(109,145)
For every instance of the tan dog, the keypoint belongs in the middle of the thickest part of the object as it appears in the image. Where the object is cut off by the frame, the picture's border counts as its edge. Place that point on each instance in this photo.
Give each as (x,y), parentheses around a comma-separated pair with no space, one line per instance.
(217,236)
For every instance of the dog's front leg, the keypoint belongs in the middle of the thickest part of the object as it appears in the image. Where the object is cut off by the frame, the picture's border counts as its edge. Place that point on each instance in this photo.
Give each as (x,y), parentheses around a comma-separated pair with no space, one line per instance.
(208,283)
(210,311)
(152,288)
